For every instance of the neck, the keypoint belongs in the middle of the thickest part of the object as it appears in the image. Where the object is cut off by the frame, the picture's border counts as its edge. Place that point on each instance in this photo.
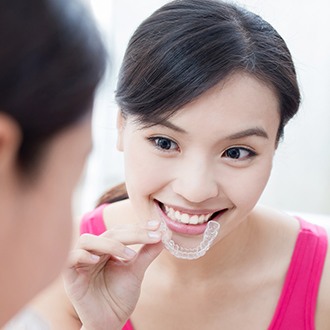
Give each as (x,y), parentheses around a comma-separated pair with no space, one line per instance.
(19,276)
(14,288)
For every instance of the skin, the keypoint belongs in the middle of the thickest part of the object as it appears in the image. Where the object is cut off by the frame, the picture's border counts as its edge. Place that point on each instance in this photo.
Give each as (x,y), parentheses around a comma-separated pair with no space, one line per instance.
(196,173)
(243,272)
(35,212)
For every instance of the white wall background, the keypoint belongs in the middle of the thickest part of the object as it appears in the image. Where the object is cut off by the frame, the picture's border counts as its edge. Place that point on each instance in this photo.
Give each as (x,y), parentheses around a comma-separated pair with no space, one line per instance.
(301,175)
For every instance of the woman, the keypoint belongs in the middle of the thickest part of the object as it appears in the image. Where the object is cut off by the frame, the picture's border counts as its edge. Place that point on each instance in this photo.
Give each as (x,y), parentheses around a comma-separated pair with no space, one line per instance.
(205,91)
(51,61)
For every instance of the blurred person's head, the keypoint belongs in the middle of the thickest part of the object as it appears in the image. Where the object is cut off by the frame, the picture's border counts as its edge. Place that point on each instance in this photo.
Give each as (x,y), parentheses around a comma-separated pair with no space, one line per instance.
(51,62)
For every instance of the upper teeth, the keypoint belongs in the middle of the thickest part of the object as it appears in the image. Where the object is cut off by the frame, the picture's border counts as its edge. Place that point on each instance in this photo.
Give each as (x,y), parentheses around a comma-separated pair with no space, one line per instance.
(186,218)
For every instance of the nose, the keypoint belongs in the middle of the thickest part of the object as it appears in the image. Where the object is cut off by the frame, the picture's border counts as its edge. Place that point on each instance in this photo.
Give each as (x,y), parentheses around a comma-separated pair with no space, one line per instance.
(196,182)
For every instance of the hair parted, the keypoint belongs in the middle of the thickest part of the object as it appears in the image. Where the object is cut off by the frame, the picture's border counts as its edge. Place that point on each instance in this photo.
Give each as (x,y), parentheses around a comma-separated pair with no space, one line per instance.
(188,46)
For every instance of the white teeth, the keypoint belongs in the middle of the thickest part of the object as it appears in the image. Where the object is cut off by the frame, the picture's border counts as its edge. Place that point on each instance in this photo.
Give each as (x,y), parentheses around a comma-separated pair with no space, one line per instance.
(194,220)
(186,218)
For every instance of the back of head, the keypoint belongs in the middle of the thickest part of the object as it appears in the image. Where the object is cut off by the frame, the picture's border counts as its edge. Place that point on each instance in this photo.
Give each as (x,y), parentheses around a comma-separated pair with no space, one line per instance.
(188,46)
(51,61)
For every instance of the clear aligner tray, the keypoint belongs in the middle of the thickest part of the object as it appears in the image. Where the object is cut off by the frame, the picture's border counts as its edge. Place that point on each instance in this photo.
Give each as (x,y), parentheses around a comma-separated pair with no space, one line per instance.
(211,232)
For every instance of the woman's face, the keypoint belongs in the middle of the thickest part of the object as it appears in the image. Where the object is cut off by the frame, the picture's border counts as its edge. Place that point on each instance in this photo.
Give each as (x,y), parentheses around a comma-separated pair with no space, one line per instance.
(211,160)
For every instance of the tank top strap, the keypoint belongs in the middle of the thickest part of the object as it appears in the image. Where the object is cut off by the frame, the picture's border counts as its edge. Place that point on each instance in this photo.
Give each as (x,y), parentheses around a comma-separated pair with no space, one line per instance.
(128,326)
(297,304)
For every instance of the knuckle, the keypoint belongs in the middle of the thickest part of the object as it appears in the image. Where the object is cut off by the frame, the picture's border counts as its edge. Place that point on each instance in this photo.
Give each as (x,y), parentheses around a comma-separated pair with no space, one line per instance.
(84,239)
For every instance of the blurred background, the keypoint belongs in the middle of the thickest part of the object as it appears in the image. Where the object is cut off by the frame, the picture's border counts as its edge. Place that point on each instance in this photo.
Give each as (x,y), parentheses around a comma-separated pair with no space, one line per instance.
(300,181)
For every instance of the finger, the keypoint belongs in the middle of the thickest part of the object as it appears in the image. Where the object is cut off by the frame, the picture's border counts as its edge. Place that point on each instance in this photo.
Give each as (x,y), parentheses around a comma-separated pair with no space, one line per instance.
(151,224)
(77,261)
(100,245)
(80,256)
(145,257)
(135,234)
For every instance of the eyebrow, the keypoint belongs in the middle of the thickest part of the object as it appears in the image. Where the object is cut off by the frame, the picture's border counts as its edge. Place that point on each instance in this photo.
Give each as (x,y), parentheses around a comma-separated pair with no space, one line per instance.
(168,124)
(255,131)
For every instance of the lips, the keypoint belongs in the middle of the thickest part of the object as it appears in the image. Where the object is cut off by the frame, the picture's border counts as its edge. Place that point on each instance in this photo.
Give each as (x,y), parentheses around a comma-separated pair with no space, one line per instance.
(187,223)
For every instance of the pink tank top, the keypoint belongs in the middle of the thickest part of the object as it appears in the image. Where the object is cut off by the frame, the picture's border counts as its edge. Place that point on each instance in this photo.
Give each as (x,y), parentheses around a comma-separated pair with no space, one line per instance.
(297,303)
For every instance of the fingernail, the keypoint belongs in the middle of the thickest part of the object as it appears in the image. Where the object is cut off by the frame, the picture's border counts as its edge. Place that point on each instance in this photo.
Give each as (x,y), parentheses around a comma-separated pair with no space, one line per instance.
(95,258)
(129,252)
(153,223)
(154,234)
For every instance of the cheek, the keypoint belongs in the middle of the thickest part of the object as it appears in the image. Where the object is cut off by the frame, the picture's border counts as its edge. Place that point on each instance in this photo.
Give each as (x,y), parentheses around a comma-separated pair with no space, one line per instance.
(50,233)
(246,187)
(143,172)
(57,199)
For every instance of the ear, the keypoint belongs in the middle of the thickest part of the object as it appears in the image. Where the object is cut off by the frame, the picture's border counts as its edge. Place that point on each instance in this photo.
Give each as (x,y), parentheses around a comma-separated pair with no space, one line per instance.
(10,140)
(121,121)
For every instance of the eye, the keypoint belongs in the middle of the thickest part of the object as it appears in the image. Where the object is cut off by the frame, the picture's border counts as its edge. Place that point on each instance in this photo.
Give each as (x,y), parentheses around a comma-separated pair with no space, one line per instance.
(239,153)
(163,143)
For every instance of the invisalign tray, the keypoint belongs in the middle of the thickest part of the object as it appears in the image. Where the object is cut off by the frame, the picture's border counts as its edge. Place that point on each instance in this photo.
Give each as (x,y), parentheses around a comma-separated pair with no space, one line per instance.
(211,232)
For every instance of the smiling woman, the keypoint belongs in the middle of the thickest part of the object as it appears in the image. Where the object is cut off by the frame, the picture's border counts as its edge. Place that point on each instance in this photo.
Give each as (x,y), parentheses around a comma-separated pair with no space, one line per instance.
(204,93)
(203,164)
(310,49)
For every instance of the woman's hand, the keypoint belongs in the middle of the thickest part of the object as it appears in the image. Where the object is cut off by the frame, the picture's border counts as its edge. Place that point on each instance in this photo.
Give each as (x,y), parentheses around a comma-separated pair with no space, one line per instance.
(104,276)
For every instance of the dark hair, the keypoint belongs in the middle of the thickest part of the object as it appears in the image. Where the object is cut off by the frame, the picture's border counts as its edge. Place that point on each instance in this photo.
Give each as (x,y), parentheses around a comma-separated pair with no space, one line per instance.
(51,60)
(188,46)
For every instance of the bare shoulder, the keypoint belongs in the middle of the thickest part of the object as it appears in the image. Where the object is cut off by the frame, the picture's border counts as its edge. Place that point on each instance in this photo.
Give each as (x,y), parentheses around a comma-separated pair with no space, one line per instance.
(119,213)
(277,221)
(289,222)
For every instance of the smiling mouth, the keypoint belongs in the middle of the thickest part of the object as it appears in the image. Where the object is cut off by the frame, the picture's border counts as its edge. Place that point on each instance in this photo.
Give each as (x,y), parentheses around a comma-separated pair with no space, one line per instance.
(189,219)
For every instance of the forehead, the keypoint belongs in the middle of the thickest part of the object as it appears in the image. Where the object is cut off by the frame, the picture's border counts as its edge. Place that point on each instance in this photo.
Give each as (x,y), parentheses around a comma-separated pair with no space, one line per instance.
(239,103)
(240,90)
(234,104)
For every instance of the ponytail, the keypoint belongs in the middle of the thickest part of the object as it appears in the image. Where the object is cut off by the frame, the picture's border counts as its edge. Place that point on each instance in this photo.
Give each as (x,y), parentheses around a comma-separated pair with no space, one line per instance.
(115,194)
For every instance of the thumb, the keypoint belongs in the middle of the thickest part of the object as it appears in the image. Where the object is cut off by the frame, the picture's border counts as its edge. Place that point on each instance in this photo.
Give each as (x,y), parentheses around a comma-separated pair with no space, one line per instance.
(145,257)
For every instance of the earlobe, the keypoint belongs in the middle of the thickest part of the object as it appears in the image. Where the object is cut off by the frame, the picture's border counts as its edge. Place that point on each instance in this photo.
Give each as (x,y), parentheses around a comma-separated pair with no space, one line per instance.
(120,131)
(10,140)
